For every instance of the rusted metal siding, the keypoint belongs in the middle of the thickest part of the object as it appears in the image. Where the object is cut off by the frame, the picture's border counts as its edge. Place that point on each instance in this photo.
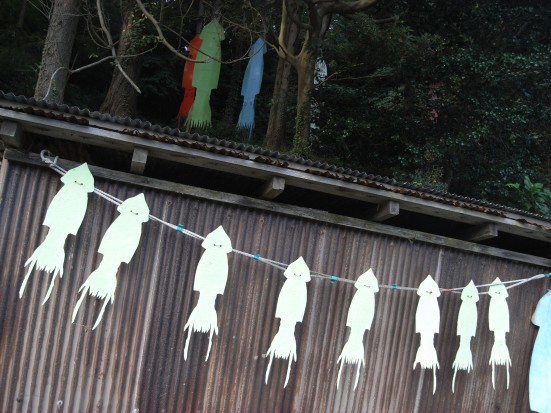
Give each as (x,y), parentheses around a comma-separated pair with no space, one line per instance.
(134,360)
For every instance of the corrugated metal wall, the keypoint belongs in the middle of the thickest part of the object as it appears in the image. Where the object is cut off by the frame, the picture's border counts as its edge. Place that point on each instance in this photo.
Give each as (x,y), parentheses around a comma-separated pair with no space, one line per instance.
(134,360)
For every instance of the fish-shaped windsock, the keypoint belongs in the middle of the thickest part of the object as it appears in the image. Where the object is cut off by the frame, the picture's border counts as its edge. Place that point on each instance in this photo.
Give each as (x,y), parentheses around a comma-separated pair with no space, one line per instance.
(427,324)
(205,75)
(187,84)
(291,305)
(251,84)
(118,245)
(539,389)
(466,328)
(360,317)
(210,280)
(498,318)
(63,217)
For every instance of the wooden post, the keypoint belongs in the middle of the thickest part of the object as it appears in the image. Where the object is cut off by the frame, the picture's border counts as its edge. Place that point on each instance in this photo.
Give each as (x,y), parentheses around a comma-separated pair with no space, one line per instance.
(139,159)
(383,211)
(272,188)
(11,134)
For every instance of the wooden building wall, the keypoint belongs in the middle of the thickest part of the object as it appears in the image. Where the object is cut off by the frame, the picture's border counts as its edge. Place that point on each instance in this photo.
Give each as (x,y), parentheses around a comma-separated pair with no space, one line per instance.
(134,360)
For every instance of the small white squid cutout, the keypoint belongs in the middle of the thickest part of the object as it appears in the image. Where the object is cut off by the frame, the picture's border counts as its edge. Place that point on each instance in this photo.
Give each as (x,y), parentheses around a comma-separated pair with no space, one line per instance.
(498,318)
(291,305)
(427,324)
(360,317)
(63,217)
(118,245)
(466,328)
(210,280)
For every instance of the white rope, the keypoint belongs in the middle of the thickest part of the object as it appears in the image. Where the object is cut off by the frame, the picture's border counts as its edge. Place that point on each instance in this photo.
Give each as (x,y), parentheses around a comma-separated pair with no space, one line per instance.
(45,156)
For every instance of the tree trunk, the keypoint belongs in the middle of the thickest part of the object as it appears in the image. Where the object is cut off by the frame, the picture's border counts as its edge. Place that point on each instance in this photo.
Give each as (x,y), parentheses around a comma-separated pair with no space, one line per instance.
(22,12)
(56,54)
(121,99)
(233,99)
(305,72)
(275,134)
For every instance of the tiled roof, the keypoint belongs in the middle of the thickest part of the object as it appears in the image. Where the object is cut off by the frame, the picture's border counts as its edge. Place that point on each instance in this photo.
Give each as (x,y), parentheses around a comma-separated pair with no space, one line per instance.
(167,134)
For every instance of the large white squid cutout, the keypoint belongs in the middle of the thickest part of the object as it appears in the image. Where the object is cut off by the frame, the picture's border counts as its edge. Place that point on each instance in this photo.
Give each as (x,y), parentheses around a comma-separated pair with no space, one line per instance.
(291,305)
(63,217)
(210,280)
(498,318)
(427,324)
(117,246)
(360,317)
(466,328)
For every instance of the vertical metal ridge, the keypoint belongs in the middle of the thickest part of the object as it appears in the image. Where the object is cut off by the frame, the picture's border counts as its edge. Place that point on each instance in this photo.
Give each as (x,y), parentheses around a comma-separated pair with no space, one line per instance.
(134,359)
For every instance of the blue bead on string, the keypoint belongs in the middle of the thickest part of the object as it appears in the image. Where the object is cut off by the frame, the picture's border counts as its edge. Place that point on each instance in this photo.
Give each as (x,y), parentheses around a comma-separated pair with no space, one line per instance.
(257,257)
(394,286)
(333,279)
(180,228)
(547,274)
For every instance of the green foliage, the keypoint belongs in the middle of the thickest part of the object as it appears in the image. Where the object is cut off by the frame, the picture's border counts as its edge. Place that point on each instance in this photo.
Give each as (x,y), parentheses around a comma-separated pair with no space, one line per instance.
(455,97)
(532,196)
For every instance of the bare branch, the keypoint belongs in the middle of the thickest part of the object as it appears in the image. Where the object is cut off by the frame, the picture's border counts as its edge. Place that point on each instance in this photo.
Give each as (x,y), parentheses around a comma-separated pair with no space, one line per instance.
(349,7)
(162,38)
(42,8)
(112,47)
(295,18)
(88,66)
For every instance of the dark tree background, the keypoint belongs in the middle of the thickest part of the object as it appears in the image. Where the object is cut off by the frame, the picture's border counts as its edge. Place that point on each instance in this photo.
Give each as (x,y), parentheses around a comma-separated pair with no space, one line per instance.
(454,95)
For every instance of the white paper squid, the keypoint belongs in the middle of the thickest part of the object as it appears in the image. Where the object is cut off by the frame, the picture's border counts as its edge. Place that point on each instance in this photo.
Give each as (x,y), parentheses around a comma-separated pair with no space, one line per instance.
(118,245)
(291,305)
(498,318)
(64,217)
(360,317)
(210,280)
(427,323)
(466,328)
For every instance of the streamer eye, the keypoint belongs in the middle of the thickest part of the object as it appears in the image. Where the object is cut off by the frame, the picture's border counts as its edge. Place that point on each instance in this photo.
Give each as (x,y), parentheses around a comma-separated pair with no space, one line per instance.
(135,213)
(79,183)
(429,292)
(296,275)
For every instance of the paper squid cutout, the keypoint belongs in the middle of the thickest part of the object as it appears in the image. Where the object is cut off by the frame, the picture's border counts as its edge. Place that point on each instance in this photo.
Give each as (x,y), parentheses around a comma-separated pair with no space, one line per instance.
(498,317)
(291,305)
(539,389)
(251,84)
(466,328)
(427,324)
(187,85)
(118,245)
(360,317)
(210,280)
(205,75)
(63,217)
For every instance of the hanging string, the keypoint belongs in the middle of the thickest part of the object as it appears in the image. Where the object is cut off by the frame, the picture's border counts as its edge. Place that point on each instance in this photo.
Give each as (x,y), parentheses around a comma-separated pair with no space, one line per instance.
(45,156)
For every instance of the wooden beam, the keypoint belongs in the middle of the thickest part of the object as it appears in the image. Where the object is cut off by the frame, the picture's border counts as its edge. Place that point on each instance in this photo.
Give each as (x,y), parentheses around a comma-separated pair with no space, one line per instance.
(139,159)
(290,210)
(272,188)
(294,174)
(12,134)
(383,211)
(479,232)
